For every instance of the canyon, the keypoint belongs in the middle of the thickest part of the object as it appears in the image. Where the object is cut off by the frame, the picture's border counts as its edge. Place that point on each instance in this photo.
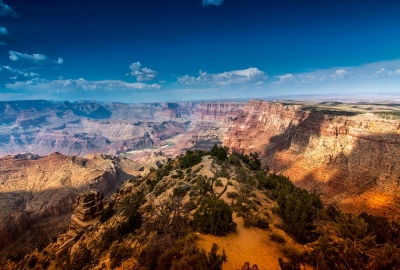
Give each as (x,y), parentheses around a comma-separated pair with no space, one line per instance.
(37,194)
(350,158)
(347,153)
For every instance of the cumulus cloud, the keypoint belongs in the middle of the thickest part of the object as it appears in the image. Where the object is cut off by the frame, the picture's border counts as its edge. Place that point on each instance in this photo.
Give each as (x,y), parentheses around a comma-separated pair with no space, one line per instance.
(8,73)
(36,81)
(339,74)
(285,79)
(206,3)
(250,75)
(5,10)
(142,74)
(383,72)
(37,59)
(5,37)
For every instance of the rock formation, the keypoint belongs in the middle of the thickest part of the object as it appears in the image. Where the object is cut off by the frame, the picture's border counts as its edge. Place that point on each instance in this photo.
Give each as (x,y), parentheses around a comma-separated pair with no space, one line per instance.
(88,206)
(349,158)
(80,128)
(37,194)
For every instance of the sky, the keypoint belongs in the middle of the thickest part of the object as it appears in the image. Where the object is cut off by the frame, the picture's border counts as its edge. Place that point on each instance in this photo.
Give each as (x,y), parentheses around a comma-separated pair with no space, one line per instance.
(184,50)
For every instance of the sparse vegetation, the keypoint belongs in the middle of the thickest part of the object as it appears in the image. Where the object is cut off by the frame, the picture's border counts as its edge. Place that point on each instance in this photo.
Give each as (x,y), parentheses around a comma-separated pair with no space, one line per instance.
(277,237)
(221,153)
(191,158)
(107,213)
(214,216)
(157,228)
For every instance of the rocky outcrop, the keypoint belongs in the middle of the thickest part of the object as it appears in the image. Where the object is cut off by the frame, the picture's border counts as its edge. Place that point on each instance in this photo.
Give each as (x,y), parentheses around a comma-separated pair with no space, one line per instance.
(350,159)
(37,194)
(88,206)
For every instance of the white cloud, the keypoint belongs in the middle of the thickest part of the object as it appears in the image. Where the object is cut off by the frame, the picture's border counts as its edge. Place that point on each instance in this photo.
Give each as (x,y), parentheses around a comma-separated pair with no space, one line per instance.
(8,73)
(38,59)
(59,61)
(285,79)
(312,77)
(81,84)
(250,75)
(5,37)
(36,81)
(339,74)
(142,74)
(383,72)
(5,10)
(212,2)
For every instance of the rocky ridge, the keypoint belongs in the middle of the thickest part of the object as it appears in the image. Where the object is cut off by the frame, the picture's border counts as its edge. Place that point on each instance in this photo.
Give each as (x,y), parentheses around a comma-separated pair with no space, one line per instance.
(37,194)
(349,158)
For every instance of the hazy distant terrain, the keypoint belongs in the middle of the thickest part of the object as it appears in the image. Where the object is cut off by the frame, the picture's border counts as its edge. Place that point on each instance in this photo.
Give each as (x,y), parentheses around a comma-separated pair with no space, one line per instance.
(80,128)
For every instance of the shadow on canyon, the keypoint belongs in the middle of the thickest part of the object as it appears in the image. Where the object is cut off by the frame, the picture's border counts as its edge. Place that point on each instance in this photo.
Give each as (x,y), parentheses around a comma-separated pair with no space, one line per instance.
(364,178)
(298,135)
(21,230)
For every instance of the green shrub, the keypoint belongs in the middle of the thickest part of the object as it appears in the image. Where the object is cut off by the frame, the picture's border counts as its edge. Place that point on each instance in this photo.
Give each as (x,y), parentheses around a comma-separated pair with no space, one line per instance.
(218,183)
(277,237)
(190,159)
(221,153)
(232,195)
(189,206)
(118,252)
(195,259)
(106,214)
(181,191)
(214,216)
(256,221)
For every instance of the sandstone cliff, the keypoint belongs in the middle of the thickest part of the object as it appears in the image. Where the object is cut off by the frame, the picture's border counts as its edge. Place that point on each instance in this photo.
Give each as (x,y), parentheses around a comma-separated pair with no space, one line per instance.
(350,158)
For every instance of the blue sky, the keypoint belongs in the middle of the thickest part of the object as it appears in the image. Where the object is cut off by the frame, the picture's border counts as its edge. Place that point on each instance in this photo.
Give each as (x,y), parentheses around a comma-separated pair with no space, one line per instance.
(175,50)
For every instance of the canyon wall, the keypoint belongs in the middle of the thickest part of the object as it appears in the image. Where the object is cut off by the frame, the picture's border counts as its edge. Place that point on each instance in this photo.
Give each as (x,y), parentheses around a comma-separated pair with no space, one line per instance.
(37,194)
(350,159)
(80,128)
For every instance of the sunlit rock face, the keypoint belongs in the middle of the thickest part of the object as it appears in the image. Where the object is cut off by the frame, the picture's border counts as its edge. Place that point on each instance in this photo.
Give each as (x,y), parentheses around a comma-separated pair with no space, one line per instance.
(37,193)
(351,160)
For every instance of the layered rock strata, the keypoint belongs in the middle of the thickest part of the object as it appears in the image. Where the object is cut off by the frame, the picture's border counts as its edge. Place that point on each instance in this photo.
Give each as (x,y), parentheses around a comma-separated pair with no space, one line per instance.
(350,159)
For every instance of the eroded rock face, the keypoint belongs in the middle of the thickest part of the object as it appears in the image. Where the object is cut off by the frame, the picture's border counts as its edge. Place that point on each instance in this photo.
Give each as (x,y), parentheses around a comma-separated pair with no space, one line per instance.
(37,195)
(351,160)
(80,128)
(87,208)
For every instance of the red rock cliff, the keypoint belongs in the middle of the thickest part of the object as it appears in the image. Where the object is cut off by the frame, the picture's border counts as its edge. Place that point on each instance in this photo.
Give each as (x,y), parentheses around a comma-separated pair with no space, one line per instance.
(351,160)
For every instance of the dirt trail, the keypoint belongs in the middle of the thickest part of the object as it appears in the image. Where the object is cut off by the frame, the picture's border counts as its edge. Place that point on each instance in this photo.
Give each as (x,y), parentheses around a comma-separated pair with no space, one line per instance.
(245,245)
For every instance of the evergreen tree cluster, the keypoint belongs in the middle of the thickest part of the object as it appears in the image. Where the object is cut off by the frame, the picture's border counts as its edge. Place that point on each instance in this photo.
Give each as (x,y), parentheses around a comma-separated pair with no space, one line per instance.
(252,160)
(221,153)
(191,158)
(214,216)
